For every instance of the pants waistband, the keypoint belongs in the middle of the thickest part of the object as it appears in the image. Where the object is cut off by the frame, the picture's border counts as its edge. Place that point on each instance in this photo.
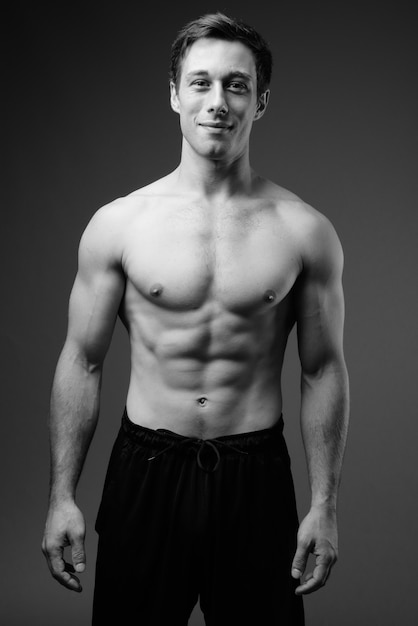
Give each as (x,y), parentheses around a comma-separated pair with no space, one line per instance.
(162,440)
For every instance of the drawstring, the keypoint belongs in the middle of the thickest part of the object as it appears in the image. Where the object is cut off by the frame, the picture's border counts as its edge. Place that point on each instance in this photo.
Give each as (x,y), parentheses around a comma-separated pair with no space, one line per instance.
(202,443)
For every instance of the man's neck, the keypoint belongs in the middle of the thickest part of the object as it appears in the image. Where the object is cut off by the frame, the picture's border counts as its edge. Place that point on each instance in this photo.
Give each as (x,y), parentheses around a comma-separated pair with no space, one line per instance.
(214,179)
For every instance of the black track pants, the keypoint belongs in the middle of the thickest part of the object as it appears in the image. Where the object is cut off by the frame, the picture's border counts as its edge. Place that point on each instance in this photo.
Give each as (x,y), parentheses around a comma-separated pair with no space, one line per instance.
(182,517)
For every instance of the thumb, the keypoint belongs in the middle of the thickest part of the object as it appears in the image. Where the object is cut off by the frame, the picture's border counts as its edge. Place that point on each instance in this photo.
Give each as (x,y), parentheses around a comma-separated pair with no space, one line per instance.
(300,560)
(78,555)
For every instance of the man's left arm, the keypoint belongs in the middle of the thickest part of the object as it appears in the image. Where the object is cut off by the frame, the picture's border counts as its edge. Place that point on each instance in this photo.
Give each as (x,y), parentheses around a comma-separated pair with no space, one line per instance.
(324,399)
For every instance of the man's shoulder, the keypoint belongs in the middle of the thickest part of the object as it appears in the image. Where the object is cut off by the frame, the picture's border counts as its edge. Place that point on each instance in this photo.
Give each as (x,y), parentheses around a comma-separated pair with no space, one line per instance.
(119,213)
(109,226)
(311,230)
(295,210)
(104,232)
(320,246)
(106,222)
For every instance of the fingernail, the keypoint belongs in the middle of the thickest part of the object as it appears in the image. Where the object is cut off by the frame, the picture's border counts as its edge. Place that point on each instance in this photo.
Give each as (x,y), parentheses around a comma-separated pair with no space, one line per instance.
(296,573)
(80,567)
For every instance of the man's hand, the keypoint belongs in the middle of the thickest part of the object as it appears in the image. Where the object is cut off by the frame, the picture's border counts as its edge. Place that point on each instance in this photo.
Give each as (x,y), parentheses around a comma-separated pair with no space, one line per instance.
(317,535)
(65,526)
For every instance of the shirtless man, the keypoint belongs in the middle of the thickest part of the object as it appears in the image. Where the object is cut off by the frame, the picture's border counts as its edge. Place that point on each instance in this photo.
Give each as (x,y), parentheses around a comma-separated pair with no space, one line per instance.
(209,268)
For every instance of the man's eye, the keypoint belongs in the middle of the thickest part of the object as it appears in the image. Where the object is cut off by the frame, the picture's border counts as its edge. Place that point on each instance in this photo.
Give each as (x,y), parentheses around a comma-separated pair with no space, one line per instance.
(199,83)
(237,86)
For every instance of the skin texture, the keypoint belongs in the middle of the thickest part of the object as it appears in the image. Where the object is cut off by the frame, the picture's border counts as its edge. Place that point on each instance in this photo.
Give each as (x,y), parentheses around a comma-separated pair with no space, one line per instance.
(209,269)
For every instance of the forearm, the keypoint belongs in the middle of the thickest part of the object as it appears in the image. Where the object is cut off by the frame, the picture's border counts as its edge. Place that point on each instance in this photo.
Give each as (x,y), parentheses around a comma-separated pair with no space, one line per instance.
(324,424)
(73,419)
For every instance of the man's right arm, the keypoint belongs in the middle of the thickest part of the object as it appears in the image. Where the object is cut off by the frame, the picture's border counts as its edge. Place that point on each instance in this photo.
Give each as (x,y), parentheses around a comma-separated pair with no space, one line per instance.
(75,398)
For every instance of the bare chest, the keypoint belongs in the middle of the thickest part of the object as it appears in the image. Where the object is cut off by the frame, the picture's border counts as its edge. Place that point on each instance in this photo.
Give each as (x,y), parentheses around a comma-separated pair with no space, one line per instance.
(180,263)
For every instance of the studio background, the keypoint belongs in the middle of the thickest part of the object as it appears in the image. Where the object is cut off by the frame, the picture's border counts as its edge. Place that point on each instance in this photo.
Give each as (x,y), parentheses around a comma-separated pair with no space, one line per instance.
(88,120)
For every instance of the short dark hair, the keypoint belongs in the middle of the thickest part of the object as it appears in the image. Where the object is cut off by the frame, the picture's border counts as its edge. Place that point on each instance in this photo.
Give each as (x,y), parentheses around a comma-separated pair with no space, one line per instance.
(219,26)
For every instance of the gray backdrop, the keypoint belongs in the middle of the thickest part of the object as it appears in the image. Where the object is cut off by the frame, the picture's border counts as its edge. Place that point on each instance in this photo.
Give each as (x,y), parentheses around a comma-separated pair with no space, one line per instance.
(88,120)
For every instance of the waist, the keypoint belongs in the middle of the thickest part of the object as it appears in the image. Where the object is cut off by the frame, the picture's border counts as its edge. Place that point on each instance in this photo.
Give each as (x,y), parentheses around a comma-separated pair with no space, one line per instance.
(204,412)
(248,441)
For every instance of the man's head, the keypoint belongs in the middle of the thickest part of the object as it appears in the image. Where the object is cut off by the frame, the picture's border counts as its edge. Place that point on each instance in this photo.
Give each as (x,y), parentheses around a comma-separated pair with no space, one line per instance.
(219,26)
(220,73)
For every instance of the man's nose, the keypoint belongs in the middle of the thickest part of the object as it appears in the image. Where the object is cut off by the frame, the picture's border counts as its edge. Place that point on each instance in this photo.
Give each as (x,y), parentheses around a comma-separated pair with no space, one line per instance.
(216,102)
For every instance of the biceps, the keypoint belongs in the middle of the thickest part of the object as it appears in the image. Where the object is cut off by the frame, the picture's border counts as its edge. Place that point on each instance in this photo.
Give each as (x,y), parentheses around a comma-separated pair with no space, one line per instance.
(93,308)
(320,321)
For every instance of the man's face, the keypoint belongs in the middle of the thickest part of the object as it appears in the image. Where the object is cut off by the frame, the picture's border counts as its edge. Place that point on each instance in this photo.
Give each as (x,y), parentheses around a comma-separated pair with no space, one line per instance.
(217,99)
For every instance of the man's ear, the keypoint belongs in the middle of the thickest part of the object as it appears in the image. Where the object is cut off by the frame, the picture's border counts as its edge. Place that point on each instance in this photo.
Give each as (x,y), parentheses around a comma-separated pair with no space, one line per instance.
(262,104)
(174,101)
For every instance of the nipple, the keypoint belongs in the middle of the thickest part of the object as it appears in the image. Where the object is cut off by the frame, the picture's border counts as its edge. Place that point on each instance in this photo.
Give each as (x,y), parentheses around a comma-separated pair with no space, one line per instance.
(269,296)
(156,290)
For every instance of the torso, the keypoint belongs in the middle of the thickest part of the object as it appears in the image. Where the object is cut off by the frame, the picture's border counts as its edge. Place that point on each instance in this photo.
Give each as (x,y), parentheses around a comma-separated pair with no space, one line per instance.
(208,306)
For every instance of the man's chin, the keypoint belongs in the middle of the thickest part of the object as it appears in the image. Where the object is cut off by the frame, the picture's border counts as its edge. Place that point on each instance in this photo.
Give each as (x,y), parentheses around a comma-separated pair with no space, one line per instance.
(215,151)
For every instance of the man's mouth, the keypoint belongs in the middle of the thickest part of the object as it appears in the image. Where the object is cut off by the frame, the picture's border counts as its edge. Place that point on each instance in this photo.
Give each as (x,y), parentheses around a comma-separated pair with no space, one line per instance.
(211,124)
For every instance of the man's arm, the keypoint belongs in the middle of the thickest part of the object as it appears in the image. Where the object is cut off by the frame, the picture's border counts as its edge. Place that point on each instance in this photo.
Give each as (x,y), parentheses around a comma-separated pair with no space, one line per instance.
(325,398)
(93,307)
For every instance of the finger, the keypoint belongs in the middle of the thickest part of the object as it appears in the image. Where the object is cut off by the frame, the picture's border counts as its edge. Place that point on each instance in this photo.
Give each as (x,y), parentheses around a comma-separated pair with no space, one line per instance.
(300,560)
(78,555)
(314,580)
(53,555)
(73,582)
(63,572)
(60,570)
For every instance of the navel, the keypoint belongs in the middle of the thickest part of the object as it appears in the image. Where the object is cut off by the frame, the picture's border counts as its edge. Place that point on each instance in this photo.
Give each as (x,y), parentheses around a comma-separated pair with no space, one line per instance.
(202,401)
(269,295)
(156,290)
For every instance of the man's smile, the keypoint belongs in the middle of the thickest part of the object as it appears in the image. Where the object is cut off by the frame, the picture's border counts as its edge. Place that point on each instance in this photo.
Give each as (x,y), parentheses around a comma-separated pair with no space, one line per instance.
(216,127)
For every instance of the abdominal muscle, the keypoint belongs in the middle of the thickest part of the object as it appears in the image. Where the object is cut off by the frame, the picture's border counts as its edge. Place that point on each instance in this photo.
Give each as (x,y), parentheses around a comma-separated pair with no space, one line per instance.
(206,373)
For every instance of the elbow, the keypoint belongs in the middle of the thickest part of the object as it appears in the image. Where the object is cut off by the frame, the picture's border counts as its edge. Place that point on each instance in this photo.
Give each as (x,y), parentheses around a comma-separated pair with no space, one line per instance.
(83,357)
(331,368)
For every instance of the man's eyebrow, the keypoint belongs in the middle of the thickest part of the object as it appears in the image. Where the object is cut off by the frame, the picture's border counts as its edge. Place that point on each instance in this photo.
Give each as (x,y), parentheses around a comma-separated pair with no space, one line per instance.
(197,73)
(240,74)
(231,74)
